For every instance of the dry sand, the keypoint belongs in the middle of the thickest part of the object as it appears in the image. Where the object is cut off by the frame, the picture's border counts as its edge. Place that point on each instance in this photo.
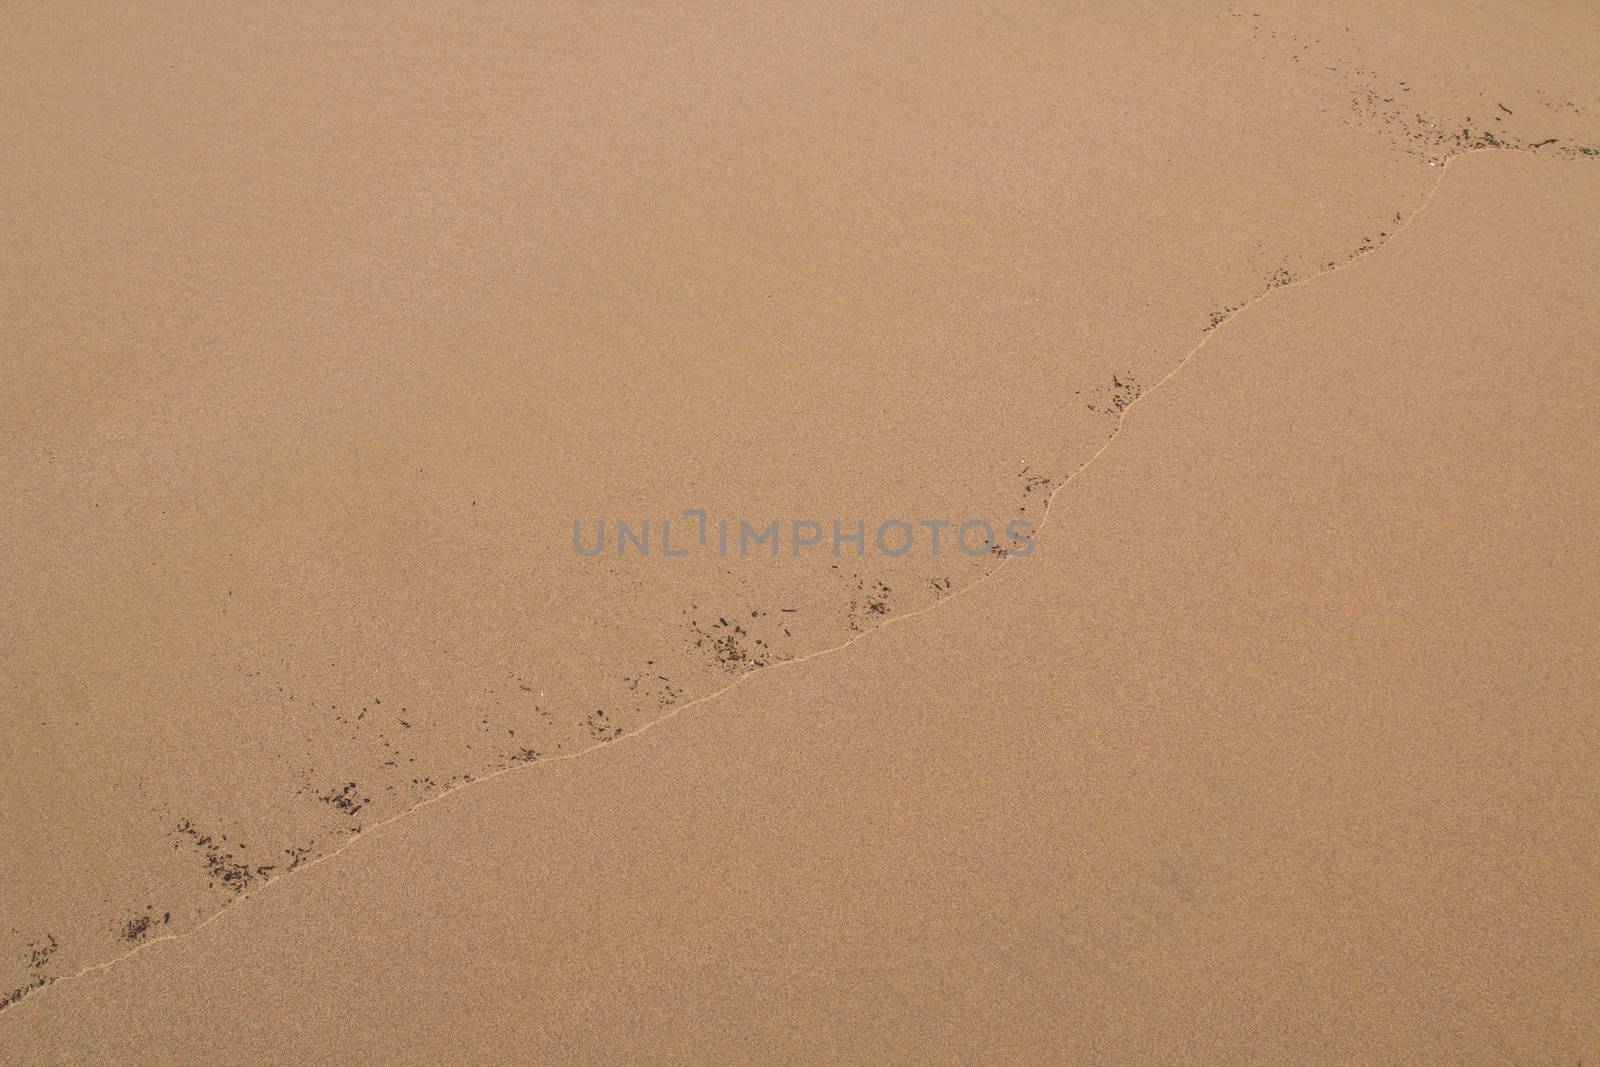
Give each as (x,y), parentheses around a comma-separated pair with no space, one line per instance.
(321,329)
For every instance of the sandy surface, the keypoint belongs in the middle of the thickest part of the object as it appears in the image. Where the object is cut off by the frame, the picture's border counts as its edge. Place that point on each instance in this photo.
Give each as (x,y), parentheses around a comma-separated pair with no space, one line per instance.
(319,740)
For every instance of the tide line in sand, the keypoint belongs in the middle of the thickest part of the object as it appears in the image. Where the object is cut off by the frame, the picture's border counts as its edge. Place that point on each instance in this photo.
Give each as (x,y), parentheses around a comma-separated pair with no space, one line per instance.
(28,993)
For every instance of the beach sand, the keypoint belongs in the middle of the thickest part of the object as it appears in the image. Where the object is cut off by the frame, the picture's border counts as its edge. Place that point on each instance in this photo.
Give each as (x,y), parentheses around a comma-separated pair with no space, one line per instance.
(321,741)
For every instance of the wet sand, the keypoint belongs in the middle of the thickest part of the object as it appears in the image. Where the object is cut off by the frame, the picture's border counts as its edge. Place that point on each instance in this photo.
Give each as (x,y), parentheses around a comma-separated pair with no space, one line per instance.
(1277,746)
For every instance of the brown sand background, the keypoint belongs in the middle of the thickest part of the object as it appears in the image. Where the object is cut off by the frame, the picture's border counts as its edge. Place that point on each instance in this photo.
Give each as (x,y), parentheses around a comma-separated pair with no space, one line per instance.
(322,329)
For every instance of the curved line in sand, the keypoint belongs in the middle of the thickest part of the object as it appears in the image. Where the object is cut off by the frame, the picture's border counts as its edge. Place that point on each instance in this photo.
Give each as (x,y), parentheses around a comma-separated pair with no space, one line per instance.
(1122,416)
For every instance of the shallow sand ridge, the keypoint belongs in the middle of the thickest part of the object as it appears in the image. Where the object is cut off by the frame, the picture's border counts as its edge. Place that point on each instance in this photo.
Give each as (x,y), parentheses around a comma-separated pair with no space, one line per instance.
(312,370)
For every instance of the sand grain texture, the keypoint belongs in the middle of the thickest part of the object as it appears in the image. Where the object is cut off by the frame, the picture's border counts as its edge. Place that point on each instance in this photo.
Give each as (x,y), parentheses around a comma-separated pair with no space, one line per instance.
(321,327)
(1280,749)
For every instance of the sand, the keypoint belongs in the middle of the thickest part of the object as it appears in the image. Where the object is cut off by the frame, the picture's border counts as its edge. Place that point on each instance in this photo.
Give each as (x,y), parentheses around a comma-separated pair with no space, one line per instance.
(321,741)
